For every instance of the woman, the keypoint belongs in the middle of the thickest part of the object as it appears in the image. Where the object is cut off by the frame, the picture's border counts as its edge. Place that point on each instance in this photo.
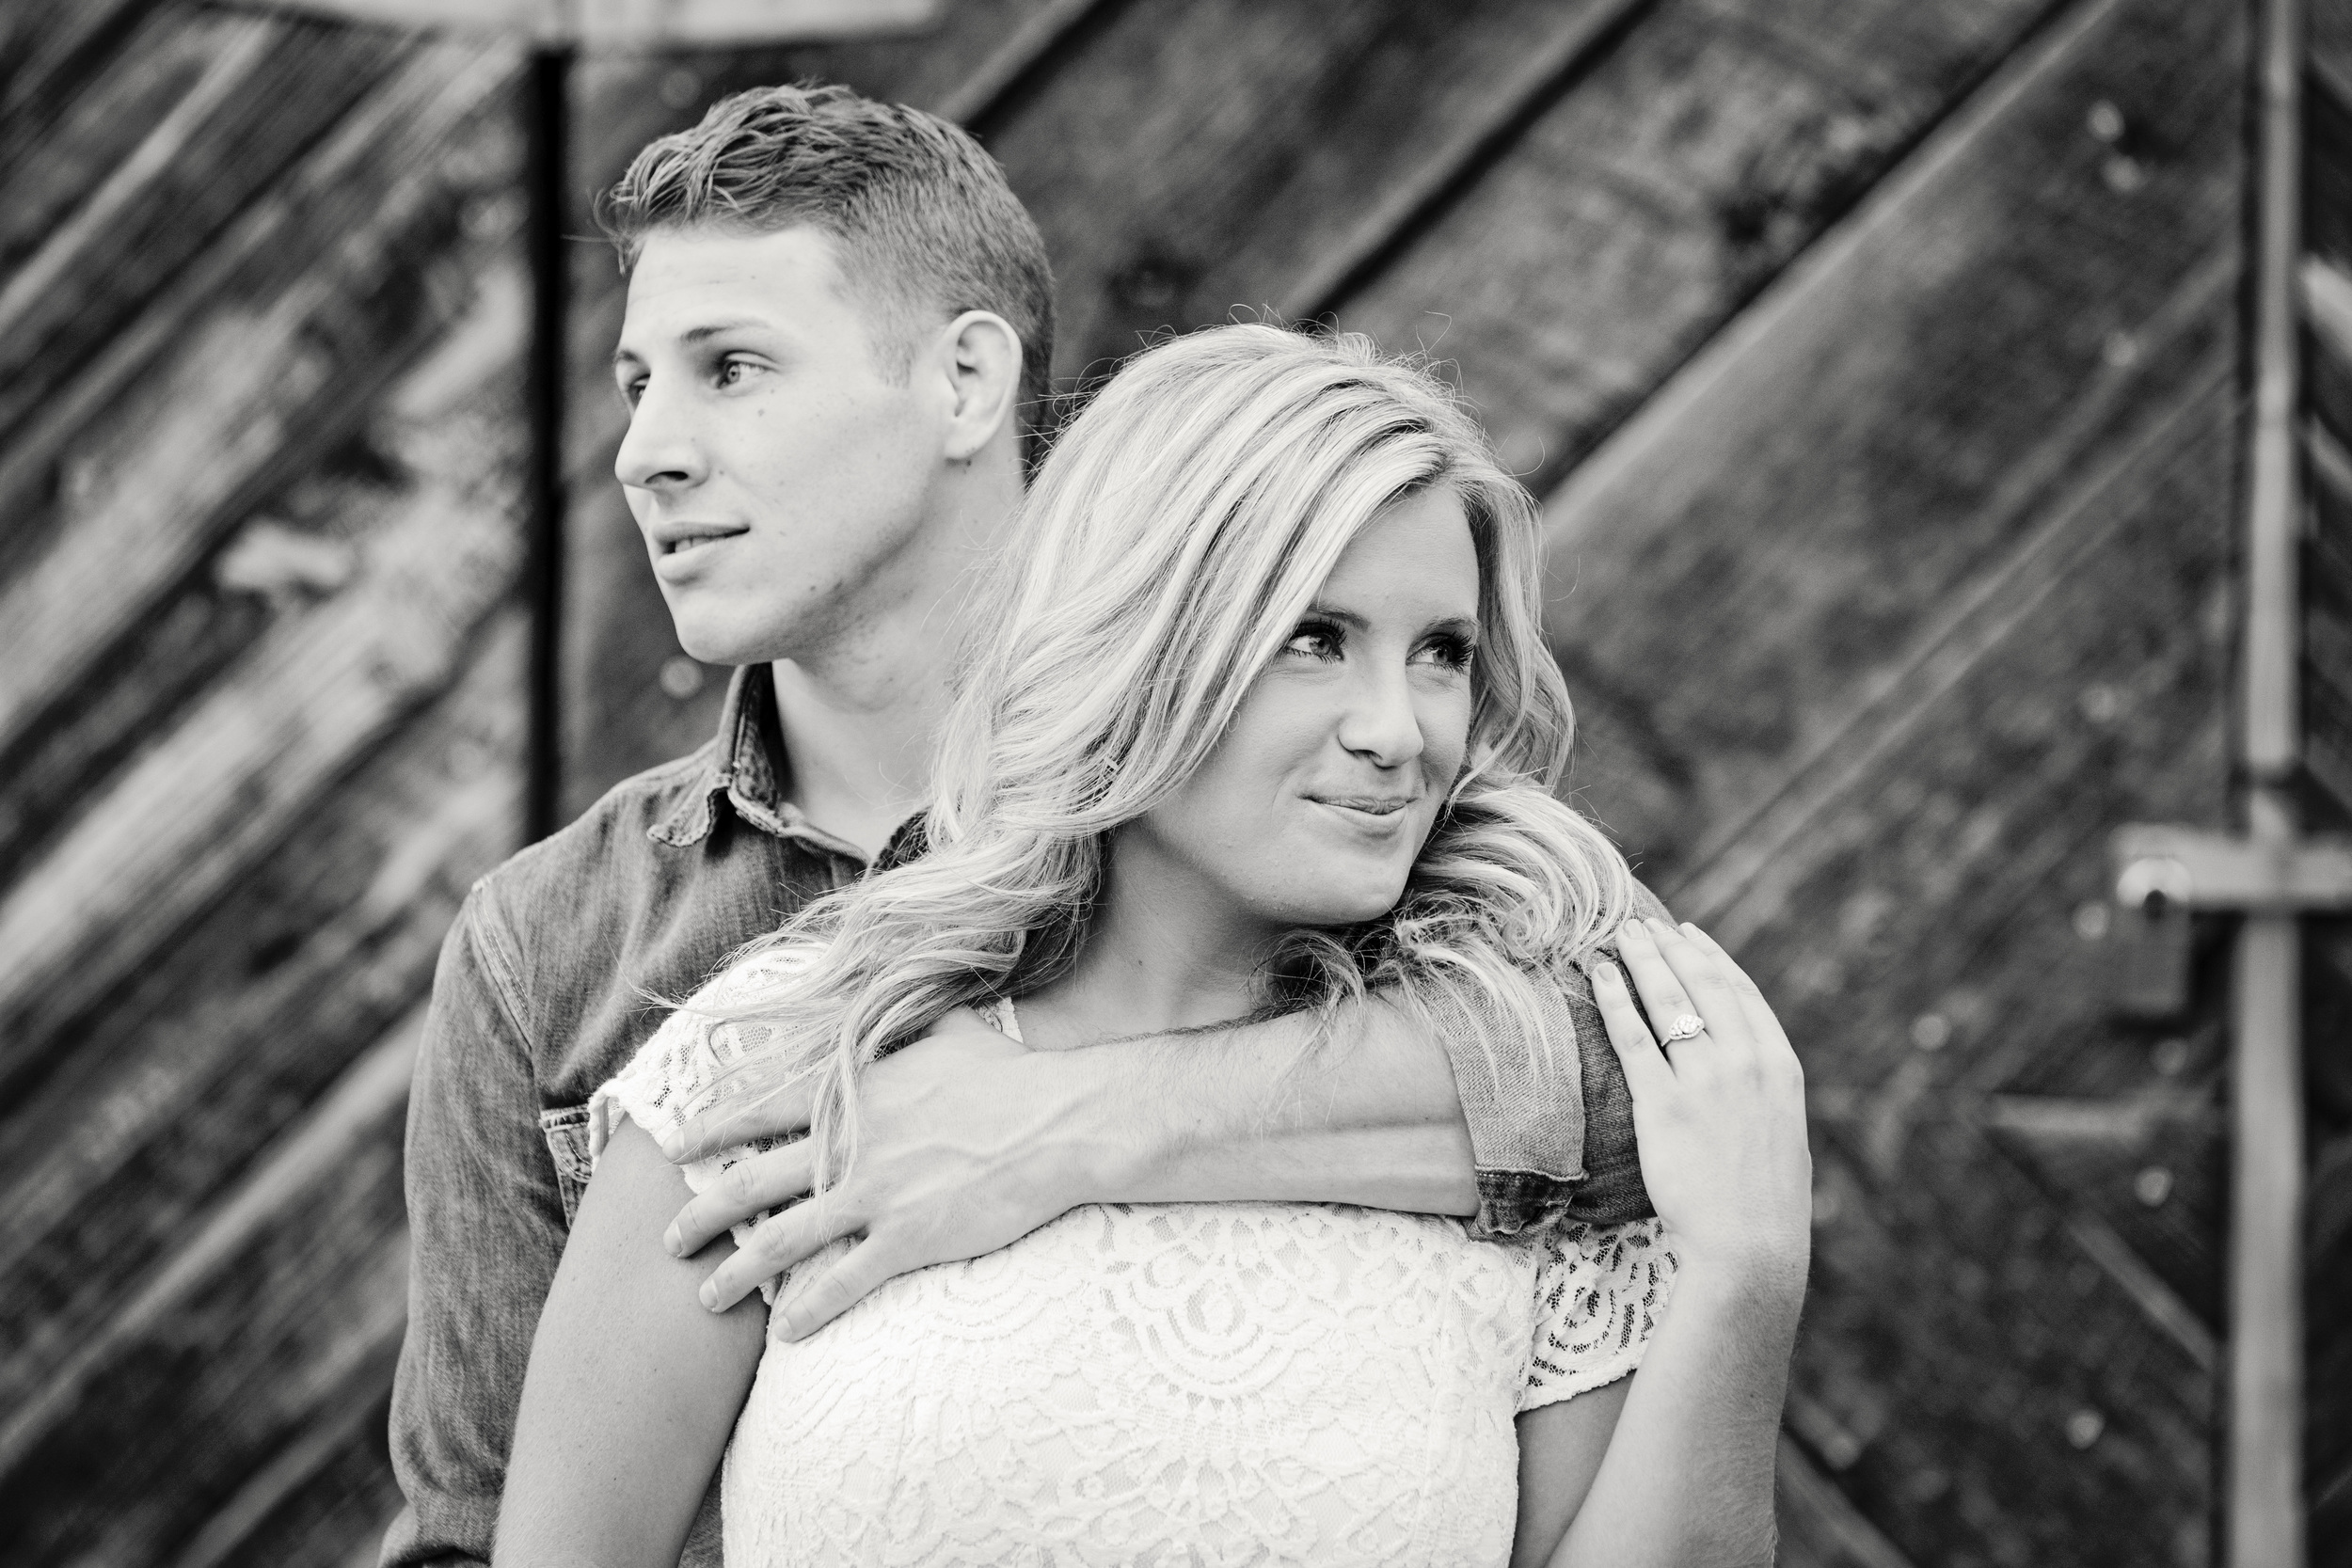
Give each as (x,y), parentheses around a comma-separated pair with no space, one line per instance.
(1256,716)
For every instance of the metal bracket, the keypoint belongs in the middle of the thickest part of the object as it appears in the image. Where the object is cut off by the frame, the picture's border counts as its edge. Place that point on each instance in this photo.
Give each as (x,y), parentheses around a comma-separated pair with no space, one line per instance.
(2163,875)
(2212,871)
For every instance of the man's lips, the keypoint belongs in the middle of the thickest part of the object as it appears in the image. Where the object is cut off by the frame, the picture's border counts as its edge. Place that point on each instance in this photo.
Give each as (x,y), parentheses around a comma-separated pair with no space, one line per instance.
(679,538)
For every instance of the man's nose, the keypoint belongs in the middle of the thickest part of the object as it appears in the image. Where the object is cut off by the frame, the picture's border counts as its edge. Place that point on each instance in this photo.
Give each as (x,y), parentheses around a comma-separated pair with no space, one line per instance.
(658,451)
(1380,724)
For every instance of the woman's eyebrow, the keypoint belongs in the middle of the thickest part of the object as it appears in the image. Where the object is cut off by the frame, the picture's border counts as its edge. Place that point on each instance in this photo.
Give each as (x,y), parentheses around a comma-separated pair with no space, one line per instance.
(1333,612)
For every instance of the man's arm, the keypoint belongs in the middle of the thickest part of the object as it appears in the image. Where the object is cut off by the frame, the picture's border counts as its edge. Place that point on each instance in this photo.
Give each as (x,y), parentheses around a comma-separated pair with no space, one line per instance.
(964,1151)
(968,1142)
(485,1226)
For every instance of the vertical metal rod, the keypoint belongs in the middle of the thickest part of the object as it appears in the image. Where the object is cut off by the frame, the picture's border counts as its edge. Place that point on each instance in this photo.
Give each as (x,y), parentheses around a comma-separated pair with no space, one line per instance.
(2265,1523)
(547,157)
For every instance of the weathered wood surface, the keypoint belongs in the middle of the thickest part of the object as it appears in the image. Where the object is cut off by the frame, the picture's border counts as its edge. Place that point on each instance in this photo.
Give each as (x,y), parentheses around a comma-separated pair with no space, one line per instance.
(631,23)
(1892,343)
(260,729)
(2327,792)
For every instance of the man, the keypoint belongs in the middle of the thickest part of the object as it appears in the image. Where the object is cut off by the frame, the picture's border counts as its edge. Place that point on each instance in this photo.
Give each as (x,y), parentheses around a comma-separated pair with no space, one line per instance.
(837,312)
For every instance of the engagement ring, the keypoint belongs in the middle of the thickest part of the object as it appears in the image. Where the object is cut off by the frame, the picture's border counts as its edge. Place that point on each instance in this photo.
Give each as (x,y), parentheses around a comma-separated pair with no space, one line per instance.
(1684,1027)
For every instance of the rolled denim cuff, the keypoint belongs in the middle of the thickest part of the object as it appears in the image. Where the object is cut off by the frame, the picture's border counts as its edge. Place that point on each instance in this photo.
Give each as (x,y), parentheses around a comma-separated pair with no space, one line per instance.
(1510,1201)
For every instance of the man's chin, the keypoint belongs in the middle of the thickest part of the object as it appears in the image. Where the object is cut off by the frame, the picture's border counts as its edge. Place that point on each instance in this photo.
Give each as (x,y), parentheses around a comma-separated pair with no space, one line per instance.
(727,643)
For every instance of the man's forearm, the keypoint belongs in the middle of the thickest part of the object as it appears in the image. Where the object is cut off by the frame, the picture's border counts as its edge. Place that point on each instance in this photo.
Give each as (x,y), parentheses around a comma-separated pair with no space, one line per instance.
(1261,1112)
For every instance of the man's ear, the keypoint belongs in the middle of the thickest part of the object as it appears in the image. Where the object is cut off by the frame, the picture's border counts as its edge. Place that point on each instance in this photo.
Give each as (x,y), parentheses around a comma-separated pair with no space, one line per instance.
(983,362)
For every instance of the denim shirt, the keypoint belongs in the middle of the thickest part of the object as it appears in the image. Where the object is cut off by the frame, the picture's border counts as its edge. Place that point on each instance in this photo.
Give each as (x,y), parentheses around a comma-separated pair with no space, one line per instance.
(545,991)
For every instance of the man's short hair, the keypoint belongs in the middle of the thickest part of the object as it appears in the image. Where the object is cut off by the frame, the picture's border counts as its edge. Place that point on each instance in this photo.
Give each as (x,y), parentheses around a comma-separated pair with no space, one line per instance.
(924,219)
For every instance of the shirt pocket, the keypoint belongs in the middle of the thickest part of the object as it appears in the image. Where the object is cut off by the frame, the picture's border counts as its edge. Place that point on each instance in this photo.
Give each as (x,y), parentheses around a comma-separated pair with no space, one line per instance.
(566,1132)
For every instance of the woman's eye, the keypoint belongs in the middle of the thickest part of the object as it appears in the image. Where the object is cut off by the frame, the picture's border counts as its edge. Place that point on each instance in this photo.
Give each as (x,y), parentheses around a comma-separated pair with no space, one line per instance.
(1448,653)
(1315,643)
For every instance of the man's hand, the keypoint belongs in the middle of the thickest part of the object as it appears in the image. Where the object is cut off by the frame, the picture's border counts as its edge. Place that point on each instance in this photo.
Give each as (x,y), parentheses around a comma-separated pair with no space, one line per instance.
(961,1151)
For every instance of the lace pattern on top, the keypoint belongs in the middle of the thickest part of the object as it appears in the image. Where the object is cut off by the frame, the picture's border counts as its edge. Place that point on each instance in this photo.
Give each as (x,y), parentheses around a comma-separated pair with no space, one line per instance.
(1167,1383)
(685,1069)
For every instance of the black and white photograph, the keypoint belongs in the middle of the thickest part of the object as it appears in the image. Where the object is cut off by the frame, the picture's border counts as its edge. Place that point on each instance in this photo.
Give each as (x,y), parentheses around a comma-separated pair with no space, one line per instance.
(1066,784)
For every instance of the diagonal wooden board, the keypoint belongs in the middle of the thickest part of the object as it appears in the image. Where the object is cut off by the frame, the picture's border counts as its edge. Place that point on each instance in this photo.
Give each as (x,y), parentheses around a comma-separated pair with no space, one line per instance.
(630,24)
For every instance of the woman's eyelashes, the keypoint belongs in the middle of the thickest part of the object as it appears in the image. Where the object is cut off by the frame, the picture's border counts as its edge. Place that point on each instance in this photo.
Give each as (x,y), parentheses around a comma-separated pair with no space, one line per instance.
(1318,640)
(1449,650)
(1327,641)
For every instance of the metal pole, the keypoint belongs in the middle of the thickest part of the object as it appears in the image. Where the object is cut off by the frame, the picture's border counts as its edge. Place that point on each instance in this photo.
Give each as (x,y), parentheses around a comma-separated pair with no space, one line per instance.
(2264,1522)
(549,157)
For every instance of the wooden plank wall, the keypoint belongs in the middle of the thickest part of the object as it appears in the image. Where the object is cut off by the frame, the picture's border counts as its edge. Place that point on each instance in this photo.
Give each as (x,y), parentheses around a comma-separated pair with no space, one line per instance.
(262,330)
(1878,361)
(2327,792)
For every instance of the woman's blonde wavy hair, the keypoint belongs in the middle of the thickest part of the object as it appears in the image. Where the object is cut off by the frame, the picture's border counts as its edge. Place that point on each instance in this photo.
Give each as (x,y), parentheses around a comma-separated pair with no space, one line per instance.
(1183,524)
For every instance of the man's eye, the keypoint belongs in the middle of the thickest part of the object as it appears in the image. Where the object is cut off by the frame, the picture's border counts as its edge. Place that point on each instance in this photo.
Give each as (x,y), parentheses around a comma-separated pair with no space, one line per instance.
(631,391)
(733,372)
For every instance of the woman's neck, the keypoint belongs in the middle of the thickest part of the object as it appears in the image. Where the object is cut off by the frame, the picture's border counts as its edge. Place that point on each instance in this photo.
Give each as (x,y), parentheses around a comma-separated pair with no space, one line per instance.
(1163,952)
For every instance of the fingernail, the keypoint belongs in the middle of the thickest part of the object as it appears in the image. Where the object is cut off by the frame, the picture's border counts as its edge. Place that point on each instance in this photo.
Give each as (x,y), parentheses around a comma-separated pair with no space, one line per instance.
(787,1330)
(1605,971)
(672,1243)
(711,1296)
(671,1143)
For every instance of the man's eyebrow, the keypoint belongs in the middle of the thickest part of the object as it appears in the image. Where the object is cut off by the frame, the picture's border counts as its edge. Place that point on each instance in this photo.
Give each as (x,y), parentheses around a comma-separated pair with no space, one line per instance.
(693,335)
(712,329)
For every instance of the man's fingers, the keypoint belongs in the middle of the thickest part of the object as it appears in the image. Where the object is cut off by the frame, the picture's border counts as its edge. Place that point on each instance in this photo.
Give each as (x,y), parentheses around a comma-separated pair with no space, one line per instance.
(776,1244)
(851,1279)
(750,1110)
(1646,1066)
(757,1182)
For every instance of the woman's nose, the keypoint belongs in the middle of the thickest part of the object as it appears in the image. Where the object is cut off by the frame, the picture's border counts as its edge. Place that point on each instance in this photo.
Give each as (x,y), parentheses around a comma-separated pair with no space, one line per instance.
(658,451)
(1380,722)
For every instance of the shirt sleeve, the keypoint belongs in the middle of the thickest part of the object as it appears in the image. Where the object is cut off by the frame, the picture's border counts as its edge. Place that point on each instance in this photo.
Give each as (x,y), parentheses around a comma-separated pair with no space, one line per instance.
(691,1064)
(1600,1293)
(486,1226)
(1550,1120)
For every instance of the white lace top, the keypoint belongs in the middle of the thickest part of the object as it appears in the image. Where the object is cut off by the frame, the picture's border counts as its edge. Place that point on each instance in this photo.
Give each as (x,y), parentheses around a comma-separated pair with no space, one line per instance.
(1224,1382)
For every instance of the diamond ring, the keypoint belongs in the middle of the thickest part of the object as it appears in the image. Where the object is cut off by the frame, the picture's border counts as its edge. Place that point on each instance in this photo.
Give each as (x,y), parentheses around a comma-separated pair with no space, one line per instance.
(1684,1026)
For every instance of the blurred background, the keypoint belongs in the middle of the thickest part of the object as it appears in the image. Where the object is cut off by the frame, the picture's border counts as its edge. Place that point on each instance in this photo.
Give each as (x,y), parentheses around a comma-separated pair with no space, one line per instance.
(1883,366)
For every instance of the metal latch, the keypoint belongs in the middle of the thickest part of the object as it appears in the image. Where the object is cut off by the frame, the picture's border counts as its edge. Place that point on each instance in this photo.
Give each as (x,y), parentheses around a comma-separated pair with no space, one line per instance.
(2163,875)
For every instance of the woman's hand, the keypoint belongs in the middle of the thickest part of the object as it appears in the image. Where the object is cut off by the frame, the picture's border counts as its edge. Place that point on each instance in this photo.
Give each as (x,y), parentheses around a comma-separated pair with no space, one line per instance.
(1720,1114)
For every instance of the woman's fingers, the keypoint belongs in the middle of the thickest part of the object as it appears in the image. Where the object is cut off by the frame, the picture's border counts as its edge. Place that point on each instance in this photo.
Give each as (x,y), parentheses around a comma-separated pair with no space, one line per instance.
(1645,1069)
(1705,981)
(1666,994)
(1762,1022)
(775,1244)
(753,1185)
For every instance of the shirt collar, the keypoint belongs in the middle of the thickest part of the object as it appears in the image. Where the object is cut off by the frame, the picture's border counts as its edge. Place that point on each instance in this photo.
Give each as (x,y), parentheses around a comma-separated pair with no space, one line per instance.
(747,768)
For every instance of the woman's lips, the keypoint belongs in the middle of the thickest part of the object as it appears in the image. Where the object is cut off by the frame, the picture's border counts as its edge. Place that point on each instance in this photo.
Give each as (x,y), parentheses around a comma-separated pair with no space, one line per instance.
(1367,814)
(1377,805)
